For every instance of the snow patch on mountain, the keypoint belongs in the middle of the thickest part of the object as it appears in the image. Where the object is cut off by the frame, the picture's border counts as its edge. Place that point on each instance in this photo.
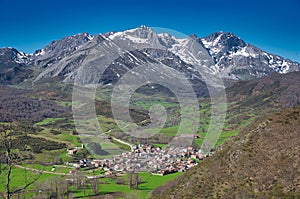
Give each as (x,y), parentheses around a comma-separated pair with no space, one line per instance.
(237,59)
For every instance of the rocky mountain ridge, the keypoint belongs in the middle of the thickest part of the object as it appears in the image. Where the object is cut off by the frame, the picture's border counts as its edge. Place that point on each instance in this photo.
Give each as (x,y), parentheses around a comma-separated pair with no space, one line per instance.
(220,53)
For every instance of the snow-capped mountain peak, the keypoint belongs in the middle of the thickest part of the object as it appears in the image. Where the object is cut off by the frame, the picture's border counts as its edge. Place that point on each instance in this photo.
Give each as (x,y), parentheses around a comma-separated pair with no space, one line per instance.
(13,55)
(234,58)
(57,49)
(140,35)
(66,44)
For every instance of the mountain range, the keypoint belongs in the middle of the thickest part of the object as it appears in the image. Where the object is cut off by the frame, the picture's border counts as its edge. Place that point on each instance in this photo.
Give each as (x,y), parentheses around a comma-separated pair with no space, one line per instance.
(220,53)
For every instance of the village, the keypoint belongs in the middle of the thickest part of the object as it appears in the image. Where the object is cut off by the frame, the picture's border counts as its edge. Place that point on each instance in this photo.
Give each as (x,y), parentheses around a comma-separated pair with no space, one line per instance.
(148,158)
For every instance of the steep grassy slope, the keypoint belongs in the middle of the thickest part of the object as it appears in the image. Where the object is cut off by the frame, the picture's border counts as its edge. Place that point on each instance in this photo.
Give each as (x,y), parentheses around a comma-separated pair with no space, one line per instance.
(262,162)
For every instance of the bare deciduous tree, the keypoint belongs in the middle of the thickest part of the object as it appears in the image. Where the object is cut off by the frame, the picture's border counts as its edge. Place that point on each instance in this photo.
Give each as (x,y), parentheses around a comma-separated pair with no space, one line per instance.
(130,181)
(10,157)
(94,185)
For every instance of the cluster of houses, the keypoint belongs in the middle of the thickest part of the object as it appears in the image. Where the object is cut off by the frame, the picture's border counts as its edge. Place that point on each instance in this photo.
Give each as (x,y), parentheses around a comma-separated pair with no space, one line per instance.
(149,158)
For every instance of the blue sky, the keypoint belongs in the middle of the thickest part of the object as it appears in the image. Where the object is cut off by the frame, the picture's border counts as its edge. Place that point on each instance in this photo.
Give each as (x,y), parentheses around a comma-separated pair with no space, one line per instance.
(270,25)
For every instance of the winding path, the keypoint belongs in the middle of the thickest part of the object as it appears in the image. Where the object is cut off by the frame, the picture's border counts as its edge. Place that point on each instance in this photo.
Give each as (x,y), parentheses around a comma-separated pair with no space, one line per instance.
(123,142)
(56,173)
(42,171)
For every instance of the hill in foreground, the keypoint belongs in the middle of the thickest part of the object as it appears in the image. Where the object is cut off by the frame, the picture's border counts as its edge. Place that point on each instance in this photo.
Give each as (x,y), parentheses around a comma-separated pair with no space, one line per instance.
(262,162)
